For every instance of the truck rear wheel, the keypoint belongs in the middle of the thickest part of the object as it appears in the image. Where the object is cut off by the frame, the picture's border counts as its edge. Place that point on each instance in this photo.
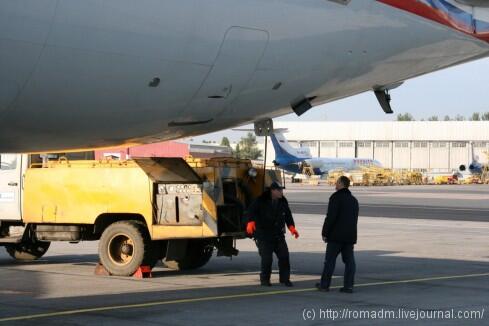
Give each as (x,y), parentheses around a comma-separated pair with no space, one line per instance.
(156,253)
(199,252)
(123,247)
(28,250)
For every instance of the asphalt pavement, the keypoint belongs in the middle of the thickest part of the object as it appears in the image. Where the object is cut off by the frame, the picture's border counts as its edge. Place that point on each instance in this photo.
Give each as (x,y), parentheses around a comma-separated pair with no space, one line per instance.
(412,268)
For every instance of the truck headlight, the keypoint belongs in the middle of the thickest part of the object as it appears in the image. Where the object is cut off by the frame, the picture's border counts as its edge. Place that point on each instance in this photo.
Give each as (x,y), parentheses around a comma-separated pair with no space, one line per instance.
(252,172)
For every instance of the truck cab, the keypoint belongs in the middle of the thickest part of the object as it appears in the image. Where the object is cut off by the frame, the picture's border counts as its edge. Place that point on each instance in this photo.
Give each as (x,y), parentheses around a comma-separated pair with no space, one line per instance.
(17,239)
(12,167)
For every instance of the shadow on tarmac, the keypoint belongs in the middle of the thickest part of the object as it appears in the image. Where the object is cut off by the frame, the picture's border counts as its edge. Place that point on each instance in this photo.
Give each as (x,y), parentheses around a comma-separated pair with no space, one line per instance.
(372,266)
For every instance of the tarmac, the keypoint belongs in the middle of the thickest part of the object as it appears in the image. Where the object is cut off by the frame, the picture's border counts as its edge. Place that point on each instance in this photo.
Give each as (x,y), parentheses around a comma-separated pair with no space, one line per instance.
(422,258)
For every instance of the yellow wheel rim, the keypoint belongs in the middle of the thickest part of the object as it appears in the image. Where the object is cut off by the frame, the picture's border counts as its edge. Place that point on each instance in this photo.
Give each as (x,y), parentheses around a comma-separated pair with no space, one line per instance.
(121,249)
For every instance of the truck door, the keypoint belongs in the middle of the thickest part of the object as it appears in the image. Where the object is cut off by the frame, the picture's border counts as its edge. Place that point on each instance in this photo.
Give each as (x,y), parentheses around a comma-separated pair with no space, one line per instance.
(10,183)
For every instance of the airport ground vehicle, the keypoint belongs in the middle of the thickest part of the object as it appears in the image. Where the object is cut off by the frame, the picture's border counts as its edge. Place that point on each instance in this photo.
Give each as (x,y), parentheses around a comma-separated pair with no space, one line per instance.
(141,211)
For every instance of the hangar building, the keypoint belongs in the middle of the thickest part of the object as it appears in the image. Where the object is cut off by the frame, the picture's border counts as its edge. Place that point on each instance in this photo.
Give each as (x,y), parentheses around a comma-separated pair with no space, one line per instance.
(428,146)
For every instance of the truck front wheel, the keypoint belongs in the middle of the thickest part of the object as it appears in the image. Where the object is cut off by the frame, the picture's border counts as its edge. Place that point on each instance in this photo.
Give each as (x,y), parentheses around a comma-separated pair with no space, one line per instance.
(28,250)
(123,247)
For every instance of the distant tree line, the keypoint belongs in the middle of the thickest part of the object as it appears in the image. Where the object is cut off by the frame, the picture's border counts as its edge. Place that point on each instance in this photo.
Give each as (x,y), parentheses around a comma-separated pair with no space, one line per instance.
(476,116)
(247,148)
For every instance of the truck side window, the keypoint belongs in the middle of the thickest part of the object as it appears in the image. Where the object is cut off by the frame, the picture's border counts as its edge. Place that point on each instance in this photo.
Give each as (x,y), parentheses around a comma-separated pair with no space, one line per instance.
(8,161)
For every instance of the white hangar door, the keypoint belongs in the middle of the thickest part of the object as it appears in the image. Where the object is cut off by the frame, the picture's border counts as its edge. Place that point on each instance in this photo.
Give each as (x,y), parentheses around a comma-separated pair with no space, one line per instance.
(346,149)
(328,149)
(401,157)
(238,57)
(459,151)
(383,153)
(365,149)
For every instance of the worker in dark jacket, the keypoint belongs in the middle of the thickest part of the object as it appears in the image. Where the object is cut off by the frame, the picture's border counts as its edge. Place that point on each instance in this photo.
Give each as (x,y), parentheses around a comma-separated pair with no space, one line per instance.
(267,218)
(340,233)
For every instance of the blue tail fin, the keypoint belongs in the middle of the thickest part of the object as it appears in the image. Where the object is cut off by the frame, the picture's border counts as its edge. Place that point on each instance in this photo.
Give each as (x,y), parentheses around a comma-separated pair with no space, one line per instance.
(286,154)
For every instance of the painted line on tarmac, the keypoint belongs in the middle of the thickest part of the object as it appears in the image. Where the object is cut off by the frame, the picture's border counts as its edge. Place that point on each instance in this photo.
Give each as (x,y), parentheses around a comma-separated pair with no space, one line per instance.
(445,224)
(223,297)
(291,203)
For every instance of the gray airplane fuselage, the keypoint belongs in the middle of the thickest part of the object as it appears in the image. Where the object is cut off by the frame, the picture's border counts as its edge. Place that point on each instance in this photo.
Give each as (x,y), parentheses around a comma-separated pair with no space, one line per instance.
(92,73)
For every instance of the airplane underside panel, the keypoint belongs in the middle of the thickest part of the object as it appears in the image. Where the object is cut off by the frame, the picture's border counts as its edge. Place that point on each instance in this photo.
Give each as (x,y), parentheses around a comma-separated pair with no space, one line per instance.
(238,57)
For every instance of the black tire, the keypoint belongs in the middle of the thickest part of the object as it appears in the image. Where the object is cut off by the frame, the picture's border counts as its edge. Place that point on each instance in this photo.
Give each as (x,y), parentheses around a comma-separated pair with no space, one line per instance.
(199,252)
(28,250)
(156,248)
(156,253)
(124,246)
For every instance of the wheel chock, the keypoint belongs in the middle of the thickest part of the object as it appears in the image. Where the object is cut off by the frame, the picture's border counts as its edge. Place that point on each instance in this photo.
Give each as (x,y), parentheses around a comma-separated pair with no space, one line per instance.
(143,272)
(101,270)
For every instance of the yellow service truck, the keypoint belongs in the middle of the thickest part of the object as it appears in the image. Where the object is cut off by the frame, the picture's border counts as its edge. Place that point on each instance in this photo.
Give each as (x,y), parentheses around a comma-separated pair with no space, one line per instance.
(141,210)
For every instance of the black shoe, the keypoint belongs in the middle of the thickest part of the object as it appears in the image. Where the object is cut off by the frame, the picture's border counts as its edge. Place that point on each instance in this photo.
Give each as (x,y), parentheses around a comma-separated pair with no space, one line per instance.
(320,288)
(346,290)
(265,283)
(287,283)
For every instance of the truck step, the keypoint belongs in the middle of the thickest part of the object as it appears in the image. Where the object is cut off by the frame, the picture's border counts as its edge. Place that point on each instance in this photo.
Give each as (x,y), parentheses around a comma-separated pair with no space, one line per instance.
(11,239)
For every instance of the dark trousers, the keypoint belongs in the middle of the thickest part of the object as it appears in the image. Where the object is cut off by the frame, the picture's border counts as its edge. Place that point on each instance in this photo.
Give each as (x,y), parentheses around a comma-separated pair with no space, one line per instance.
(266,248)
(332,251)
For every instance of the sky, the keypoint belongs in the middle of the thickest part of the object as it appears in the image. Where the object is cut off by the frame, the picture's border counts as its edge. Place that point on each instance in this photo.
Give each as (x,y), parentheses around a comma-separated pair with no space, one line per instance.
(462,89)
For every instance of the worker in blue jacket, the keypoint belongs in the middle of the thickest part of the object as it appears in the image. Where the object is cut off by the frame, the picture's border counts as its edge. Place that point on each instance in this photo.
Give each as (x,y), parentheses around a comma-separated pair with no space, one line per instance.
(267,217)
(340,233)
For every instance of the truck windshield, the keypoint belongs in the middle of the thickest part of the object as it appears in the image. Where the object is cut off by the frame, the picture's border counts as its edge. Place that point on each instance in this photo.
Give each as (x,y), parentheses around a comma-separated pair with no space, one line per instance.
(8,161)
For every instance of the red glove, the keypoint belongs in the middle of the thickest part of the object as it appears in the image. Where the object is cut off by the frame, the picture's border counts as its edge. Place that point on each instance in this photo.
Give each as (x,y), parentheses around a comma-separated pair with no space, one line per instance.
(293,231)
(250,228)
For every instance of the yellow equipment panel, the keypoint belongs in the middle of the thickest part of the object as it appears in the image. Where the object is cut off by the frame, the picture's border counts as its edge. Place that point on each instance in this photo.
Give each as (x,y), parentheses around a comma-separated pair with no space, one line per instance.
(78,192)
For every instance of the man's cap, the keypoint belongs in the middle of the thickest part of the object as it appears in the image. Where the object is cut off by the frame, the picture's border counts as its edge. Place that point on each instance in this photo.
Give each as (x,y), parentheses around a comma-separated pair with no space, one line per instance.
(276,185)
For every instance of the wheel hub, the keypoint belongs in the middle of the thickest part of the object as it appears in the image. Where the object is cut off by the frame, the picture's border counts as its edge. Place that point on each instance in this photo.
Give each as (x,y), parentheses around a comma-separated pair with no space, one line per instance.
(126,249)
(121,249)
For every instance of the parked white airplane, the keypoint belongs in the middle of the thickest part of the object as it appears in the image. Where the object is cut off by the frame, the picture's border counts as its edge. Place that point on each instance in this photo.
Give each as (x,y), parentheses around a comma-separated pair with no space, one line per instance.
(295,159)
(77,74)
(475,167)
